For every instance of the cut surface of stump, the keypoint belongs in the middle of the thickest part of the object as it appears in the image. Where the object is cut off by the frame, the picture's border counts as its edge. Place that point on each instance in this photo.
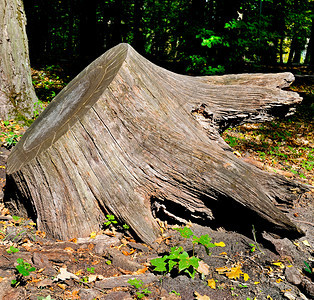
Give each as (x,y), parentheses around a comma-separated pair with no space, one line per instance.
(129,138)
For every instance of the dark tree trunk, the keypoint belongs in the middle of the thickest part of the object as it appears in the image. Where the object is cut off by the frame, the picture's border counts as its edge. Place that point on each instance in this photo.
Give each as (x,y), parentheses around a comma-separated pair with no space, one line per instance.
(130,138)
(17,95)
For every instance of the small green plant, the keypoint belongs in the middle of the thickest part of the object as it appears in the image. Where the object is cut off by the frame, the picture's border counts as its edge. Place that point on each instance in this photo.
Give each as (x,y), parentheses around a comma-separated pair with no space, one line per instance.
(110,220)
(108,262)
(138,284)
(307,268)
(175,293)
(24,269)
(12,249)
(176,258)
(204,240)
(38,107)
(253,247)
(91,270)
(126,227)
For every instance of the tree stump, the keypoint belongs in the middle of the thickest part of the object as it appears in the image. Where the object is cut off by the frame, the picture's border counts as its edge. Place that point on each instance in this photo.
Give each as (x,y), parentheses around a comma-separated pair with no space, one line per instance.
(129,138)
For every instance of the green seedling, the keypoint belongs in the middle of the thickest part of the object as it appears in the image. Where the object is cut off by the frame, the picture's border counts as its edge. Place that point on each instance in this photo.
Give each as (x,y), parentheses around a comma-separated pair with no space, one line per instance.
(108,262)
(12,249)
(177,258)
(307,268)
(175,293)
(138,284)
(126,227)
(253,247)
(24,269)
(204,240)
(110,220)
(91,270)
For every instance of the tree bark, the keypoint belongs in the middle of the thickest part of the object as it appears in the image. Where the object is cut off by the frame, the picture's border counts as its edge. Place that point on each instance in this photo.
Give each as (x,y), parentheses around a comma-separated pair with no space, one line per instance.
(17,95)
(132,139)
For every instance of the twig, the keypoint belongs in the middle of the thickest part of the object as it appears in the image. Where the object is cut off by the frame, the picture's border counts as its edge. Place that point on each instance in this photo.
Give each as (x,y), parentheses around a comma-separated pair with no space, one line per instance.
(254,236)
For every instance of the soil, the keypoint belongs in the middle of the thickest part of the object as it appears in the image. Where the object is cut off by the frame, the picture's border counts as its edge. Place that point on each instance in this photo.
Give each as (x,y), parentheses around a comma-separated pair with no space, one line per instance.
(100,266)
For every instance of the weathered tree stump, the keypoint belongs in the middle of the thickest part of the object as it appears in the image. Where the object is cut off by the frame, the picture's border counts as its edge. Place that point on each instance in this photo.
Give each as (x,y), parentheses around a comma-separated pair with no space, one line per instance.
(130,138)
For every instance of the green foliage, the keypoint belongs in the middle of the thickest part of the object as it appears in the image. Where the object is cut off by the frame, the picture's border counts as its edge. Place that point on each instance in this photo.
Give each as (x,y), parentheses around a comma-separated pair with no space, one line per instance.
(176,258)
(24,269)
(111,220)
(91,270)
(175,293)
(307,268)
(138,284)
(12,249)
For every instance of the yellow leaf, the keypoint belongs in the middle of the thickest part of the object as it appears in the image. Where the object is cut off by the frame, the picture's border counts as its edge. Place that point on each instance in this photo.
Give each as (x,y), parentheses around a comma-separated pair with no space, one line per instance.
(256,282)
(32,223)
(212,283)
(93,235)
(278,280)
(200,297)
(279,264)
(246,276)
(79,272)
(222,270)
(223,253)
(234,273)
(74,240)
(268,297)
(220,244)
(61,286)
(306,243)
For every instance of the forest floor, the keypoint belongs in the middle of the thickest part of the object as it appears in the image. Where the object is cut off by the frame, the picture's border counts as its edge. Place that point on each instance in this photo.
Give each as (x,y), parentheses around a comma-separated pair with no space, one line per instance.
(259,266)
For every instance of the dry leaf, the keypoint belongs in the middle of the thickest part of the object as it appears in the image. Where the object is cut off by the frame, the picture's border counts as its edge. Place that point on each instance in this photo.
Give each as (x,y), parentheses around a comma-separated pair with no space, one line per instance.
(211,283)
(61,286)
(64,274)
(223,253)
(203,267)
(220,244)
(234,273)
(246,276)
(306,243)
(93,235)
(74,240)
(200,297)
(140,271)
(79,272)
(222,270)
(69,249)
(95,262)
(279,264)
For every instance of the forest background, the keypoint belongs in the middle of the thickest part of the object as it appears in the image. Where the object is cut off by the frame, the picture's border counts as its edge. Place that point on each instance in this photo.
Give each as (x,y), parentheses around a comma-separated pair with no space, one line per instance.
(197,37)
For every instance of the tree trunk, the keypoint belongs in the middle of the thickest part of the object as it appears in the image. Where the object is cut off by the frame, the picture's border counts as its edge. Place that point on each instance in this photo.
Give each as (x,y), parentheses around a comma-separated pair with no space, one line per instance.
(17,95)
(132,139)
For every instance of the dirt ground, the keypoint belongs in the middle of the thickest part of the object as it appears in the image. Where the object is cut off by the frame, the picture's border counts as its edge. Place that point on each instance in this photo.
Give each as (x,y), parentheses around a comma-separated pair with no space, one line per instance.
(259,266)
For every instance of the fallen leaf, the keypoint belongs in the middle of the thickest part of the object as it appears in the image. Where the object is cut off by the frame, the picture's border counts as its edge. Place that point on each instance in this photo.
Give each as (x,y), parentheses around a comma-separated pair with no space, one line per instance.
(93,235)
(61,286)
(256,282)
(234,273)
(220,244)
(140,271)
(69,249)
(95,262)
(74,240)
(222,270)
(223,253)
(79,272)
(64,274)
(211,283)
(200,297)
(306,243)
(279,264)
(203,268)
(278,280)
(246,276)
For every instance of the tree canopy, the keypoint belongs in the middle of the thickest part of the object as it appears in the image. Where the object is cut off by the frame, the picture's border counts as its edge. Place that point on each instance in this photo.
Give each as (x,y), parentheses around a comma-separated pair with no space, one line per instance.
(193,36)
